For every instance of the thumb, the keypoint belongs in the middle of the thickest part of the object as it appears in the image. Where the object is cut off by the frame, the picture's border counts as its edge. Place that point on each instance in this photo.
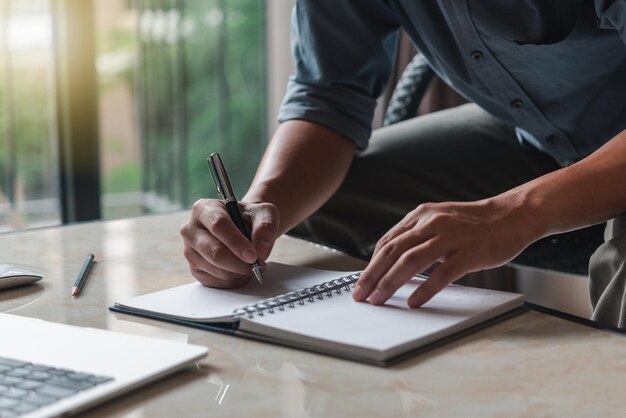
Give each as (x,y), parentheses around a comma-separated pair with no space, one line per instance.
(264,228)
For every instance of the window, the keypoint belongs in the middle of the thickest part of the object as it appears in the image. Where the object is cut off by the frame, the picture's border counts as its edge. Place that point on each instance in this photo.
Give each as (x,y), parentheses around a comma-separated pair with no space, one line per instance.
(175,81)
(28,159)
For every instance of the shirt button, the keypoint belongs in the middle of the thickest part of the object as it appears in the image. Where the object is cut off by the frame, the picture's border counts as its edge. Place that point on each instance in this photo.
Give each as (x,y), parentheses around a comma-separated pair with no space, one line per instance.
(552,139)
(477,55)
(517,104)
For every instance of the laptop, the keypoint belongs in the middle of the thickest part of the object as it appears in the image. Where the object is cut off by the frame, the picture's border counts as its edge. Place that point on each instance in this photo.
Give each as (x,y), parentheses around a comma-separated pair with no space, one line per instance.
(49,369)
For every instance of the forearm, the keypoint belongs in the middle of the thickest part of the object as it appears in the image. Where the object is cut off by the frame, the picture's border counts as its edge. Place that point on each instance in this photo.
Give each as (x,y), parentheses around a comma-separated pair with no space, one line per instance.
(590,191)
(302,167)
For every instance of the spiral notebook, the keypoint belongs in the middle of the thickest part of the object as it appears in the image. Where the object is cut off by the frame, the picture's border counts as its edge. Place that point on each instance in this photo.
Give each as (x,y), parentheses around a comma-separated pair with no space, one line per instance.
(313,310)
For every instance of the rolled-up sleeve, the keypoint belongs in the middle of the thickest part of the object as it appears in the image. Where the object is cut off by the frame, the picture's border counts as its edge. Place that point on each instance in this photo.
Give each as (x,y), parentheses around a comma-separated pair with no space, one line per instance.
(343,51)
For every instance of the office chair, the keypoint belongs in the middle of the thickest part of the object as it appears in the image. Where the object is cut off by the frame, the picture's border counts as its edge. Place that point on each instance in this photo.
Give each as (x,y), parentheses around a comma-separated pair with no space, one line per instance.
(568,252)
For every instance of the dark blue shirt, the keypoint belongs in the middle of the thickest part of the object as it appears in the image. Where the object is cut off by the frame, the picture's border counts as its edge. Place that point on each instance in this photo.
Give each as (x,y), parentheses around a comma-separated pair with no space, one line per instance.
(555,69)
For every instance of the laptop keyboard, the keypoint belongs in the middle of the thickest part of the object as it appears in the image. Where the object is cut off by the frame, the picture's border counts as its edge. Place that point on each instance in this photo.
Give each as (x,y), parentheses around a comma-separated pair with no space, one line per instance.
(26,387)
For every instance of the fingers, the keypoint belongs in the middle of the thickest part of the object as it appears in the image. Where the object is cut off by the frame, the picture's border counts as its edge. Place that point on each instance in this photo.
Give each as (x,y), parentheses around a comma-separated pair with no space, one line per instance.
(410,247)
(219,255)
(410,221)
(449,271)
(404,225)
(464,236)
(212,216)
(205,252)
(387,274)
(388,255)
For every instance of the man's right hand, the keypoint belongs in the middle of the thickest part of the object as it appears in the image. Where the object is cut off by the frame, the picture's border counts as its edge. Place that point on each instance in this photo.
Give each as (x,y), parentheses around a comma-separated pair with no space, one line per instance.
(219,255)
(302,167)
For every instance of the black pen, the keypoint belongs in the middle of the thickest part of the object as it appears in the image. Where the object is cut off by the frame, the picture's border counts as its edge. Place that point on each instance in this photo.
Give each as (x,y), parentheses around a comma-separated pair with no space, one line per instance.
(82,275)
(225,190)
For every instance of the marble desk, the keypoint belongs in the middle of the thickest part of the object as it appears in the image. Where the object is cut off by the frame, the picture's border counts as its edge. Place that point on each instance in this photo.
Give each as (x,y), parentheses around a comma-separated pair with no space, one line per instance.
(530,365)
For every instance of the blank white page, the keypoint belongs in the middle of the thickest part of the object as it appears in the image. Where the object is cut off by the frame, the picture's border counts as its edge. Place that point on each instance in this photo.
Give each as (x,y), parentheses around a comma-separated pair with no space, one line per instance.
(339,324)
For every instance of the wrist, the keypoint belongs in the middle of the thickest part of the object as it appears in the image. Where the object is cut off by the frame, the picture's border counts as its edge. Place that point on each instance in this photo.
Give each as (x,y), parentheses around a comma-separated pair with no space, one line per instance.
(526,210)
(259,193)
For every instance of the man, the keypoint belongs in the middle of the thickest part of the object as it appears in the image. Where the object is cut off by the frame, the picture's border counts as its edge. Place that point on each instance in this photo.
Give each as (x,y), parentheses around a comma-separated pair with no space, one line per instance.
(542,150)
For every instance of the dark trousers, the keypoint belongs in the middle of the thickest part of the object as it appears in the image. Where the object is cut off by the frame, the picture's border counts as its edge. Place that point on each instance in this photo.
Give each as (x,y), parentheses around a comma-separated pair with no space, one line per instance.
(458,154)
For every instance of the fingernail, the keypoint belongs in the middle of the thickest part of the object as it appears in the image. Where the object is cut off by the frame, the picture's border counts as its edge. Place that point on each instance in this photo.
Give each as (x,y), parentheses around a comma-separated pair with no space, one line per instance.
(358,294)
(375,298)
(249,256)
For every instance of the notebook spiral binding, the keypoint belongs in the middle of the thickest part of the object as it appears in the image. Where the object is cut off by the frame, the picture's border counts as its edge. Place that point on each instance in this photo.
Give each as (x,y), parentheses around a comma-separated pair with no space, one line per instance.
(310,294)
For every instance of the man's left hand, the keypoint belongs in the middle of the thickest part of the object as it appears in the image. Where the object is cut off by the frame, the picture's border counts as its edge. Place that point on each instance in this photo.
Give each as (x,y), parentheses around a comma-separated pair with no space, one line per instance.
(463,237)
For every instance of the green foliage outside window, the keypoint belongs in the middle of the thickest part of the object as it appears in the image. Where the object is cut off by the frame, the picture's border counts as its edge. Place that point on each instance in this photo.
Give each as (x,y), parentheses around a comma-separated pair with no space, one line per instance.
(27,157)
(211,100)
(191,77)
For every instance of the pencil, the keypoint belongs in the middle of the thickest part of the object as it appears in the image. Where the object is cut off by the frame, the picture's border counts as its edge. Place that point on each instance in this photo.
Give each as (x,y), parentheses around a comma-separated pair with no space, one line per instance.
(81,279)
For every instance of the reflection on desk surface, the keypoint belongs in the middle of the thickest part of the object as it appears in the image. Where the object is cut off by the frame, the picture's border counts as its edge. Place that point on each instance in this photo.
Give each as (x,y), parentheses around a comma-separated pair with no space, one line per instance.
(20,297)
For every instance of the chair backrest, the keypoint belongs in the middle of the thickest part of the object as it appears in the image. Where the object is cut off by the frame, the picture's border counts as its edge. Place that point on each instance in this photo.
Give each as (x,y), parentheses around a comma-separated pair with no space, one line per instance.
(409,91)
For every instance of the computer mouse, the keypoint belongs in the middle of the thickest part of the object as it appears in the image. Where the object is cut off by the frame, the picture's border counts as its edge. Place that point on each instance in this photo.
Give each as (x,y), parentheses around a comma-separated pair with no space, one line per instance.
(13,275)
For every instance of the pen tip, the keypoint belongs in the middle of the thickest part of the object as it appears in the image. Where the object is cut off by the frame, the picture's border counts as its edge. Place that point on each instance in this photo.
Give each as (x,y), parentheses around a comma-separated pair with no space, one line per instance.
(74,291)
(257,274)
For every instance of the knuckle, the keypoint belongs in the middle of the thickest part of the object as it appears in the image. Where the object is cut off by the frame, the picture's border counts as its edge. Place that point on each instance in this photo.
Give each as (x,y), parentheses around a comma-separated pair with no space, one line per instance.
(216,221)
(198,205)
(410,258)
(416,255)
(185,230)
(438,218)
(424,207)
(388,250)
(217,252)
(382,241)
